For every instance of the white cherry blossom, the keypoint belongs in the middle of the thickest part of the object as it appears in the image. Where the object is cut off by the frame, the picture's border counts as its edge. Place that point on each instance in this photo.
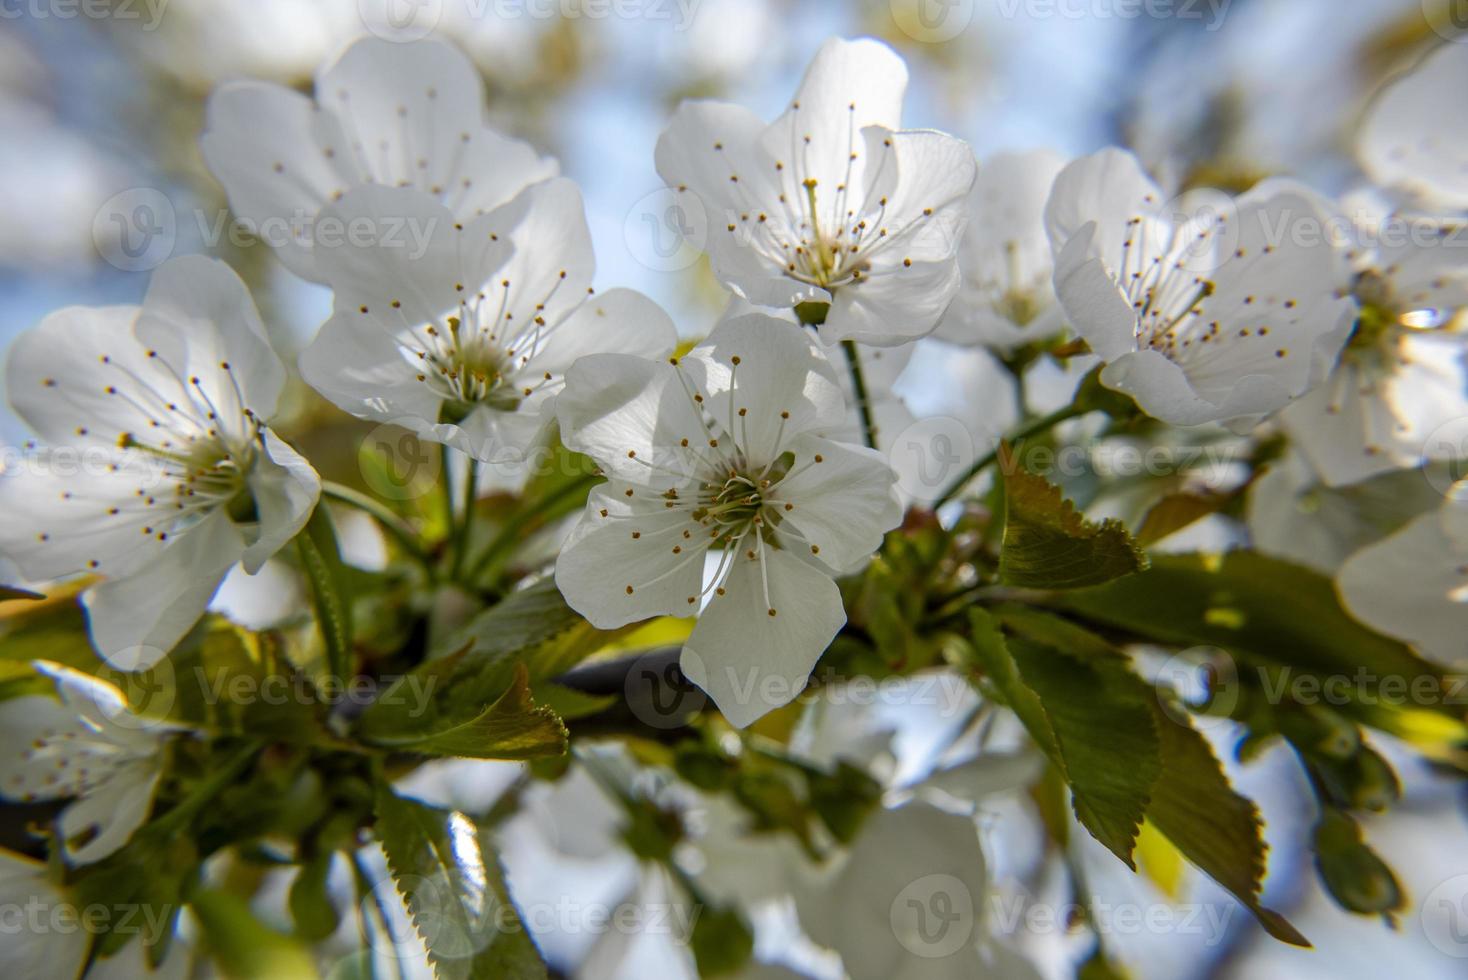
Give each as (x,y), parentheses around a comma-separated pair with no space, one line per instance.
(166,407)
(1402,373)
(1220,316)
(1414,138)
(1007,298)
(467,341)
(832,203)
(386,113)
(720,453)
(88,747)
(1413,584)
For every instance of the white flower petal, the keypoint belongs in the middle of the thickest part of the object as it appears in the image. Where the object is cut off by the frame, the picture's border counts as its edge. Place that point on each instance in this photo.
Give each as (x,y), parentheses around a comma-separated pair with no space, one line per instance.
(630,415)
(618,321)
(261,142)
(37,952)
(849,86)
(629,561)
(1108,188)
(99,824)
(1415,136)
(749,661)
(782,383)
(843,505)
(1006,298)
(876,912)
(413,114)
(1410,585)
(152,609)
(892,309)
(94,512)
(552,266)
(1161,388)
(362,370)
(24,721)
(198,316)
(401,246)
(79,377)
(286,489)
(1092,301)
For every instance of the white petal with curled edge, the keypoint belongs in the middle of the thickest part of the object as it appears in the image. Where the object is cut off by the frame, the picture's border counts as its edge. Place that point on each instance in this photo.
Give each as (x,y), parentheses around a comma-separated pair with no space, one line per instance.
(841,506)
(285,489)
(634,563)
(1093,302)
(1109,188)
(749,661)
(783,383)
(927,213)
(152,609)
(1162,389)
(198,316)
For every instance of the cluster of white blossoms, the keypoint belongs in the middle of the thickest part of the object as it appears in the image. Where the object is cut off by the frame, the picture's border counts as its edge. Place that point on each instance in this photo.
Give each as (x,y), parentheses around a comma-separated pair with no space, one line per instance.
(735,491)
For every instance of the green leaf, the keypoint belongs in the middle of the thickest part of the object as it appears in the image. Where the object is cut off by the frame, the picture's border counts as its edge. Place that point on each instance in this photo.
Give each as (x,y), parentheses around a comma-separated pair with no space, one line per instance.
(455,892)
(1214,827)
(1176,511)
(512,727)
(1266,613)
(9,592)
(722,942)
(321,559)
(312,911)
(1125,749)
(1354,874)
(1049,545)
(1095,726)
(533,619)
(243,947)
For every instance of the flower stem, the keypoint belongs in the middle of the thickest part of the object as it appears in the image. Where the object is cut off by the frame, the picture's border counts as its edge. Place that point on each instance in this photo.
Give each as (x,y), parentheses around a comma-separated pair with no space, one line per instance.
(464,536)
(1039,425)
(391,522)
(859,386)
(212,786)
(514,528)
